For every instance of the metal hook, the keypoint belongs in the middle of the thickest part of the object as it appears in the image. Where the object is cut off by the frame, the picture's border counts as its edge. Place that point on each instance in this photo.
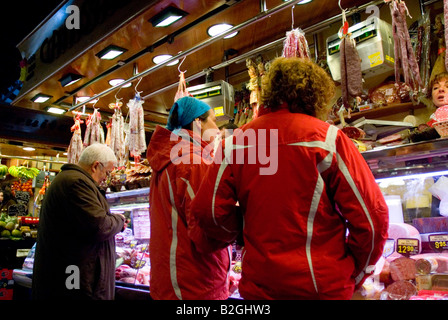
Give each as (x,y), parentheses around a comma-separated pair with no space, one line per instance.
(137,85)
(178,67)
(292,17)
(116,98)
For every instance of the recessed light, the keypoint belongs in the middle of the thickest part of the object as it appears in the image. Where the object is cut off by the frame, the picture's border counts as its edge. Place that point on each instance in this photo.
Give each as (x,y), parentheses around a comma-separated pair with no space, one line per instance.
(162,58)
(220,28)
(82,99)
(55,110)
(167,17)
(41,98)
(69,79)
(28,149)
(111,52)
(116,82)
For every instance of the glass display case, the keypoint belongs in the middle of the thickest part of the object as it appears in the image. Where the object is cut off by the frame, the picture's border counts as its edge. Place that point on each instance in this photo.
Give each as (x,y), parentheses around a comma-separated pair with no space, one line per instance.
(409,177)
(132,245)
(414,181)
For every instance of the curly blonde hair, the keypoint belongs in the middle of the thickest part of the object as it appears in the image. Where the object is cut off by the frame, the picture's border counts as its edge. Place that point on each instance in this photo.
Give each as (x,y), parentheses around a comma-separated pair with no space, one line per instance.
(301,83)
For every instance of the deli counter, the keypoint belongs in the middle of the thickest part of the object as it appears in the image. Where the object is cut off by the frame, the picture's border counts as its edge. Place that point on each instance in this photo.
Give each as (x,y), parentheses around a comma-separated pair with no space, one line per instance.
(412,177)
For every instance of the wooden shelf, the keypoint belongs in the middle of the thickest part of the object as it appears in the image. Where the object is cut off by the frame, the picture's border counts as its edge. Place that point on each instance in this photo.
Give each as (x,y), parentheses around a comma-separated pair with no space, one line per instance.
(383,111)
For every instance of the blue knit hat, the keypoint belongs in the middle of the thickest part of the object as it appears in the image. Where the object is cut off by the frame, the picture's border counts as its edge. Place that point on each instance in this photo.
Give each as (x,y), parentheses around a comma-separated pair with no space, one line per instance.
(188,109)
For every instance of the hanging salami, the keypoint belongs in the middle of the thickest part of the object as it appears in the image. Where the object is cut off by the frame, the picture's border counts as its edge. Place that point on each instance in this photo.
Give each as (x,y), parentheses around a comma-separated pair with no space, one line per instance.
(182,88)
(117,140)
(137,138)
(75,148)
(404,53)
(295,45)
(94,130)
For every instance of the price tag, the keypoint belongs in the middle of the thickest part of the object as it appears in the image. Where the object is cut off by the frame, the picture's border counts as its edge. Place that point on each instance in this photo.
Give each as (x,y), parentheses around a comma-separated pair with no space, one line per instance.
(438,242)
(407,246)
(389,248)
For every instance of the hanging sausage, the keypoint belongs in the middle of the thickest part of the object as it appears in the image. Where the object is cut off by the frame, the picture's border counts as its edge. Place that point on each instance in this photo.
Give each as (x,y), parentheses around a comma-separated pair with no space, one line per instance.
(295,45)
(117,140)
(404,53)
(75,148)
(351,74)
(94,130)
(137,138)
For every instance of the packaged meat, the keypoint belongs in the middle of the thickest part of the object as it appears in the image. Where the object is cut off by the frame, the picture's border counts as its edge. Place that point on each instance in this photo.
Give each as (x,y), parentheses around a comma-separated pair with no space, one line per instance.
(385,94)
(426,266)
(431,224)
(400,290)
(353,132)
(402,268)
(440,261)
(441,114)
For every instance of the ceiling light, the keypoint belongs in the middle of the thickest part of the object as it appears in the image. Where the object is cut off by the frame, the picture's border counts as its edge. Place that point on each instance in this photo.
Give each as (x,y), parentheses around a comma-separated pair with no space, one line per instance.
(220,28)
(167,17)
(55,110)
(116,82)
(110,52)
(41,98)
(162,58)
(82,99)
(28,149)
(69,79)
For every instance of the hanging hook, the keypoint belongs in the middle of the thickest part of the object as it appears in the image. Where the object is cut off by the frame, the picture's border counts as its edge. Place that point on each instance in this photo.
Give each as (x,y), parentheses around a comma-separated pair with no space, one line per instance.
(178,67)
(139,80)
(116,98)
(292,17)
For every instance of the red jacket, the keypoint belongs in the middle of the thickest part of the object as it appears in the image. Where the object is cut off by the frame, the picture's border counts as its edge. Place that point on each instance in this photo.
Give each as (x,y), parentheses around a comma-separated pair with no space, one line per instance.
(178,270)
(297,206)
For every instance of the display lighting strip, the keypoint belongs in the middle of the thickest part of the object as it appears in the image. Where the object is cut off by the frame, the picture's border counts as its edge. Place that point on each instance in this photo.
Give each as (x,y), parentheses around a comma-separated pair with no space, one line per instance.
(412,176)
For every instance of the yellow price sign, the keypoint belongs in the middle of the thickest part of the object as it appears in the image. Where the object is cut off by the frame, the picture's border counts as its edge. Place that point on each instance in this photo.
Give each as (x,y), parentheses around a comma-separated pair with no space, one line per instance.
(438,242)
(406,246)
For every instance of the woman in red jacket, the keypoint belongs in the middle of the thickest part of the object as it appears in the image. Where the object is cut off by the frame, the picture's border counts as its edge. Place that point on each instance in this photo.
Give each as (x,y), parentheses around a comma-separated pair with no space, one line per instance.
(314,220)
(178,157)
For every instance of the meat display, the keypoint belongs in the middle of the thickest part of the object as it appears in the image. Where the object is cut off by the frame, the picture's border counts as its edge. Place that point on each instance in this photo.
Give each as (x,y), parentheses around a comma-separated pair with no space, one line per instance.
(405,277)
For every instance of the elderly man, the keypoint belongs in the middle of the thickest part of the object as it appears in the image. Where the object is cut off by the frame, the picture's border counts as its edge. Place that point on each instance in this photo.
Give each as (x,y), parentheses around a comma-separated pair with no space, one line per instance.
(75,251)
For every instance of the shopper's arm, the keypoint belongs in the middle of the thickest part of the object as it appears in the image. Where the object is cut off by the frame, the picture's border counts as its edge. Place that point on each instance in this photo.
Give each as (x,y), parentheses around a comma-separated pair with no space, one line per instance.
(361,203)
(86,209)
(214,206)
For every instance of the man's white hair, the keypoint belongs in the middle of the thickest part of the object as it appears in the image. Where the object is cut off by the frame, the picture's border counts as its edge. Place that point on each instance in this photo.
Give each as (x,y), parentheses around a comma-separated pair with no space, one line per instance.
(97,152)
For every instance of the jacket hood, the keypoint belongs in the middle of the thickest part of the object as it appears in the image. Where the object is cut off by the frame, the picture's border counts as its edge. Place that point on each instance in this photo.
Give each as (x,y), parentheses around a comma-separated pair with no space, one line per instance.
(164,149)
